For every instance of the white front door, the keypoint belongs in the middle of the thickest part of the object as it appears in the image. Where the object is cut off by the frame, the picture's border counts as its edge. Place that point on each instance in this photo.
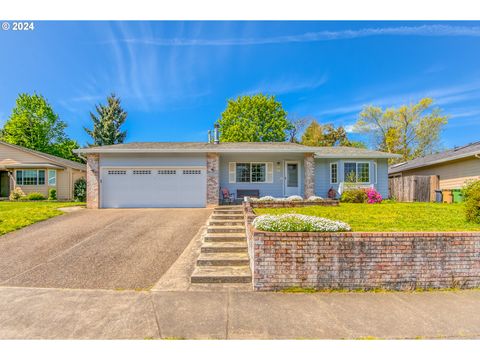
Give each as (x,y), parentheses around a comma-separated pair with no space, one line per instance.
(292,178)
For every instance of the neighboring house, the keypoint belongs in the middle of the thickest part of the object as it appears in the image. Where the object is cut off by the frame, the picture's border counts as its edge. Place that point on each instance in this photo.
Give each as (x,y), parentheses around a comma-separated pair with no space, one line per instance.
(176,174)
(34,171)
(453,167)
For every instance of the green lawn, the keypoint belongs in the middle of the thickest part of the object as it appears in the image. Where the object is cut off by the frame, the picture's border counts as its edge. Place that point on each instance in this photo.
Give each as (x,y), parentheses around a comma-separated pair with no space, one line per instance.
(15,215)
(390,216)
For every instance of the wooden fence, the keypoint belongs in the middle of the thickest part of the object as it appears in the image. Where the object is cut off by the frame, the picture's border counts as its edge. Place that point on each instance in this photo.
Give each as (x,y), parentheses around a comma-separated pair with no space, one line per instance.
(413,188)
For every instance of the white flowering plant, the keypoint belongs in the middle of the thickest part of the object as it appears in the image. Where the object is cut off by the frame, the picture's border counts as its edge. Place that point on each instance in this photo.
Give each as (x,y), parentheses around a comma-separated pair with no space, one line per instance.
(294,198)
(264,199)
(315,198)
(298,223)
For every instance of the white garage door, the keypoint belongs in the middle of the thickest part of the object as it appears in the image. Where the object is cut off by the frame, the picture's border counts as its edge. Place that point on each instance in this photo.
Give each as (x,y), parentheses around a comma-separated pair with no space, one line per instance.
(153,187)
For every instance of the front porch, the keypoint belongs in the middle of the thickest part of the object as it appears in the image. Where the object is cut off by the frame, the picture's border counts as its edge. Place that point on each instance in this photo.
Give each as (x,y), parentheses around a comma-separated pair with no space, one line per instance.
(234,176)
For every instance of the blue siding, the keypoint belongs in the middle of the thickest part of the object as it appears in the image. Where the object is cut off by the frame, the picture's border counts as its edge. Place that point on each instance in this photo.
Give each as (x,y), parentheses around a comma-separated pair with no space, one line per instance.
(322,175)
(273,189)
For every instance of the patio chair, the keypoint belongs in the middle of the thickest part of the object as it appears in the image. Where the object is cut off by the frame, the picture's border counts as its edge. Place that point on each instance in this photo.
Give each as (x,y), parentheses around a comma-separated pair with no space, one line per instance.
(227,198)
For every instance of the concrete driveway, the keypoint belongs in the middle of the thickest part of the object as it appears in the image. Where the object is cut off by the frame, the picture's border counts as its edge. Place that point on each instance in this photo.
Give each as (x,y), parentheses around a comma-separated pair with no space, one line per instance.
(98,249)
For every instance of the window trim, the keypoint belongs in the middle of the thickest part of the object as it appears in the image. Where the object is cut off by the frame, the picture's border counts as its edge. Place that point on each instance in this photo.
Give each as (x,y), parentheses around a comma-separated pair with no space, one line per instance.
(54,177)
(233,174)
(356,171)
(336,164)
(45,181)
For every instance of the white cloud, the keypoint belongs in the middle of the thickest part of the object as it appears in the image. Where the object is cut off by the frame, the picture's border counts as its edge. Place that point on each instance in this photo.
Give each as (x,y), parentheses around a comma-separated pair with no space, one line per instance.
(350,128)
(422,30)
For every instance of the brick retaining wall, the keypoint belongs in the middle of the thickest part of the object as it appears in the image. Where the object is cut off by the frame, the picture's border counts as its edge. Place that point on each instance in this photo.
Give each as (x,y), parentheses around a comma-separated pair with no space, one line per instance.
(397,261)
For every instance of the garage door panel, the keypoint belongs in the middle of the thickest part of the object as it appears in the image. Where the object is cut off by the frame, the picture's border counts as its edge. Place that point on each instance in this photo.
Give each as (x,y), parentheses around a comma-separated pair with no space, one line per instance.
(155,187)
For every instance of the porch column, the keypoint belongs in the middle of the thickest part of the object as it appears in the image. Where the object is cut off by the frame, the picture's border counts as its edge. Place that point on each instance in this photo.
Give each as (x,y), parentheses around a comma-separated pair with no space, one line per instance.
(213,182)
(309,176)
(93,181)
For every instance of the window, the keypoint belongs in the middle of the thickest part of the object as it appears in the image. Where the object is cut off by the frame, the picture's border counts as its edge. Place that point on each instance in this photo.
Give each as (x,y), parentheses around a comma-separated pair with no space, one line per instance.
(333,173)
(192,172)
(167,172)
(243,172)
(142,172)
(30,177)
(52,177)
(356,172)
(255,172)
(117,172)
(258,172)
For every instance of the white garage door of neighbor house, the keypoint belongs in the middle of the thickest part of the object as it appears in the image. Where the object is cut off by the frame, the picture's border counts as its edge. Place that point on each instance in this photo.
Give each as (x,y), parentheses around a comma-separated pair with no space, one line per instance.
(153,187)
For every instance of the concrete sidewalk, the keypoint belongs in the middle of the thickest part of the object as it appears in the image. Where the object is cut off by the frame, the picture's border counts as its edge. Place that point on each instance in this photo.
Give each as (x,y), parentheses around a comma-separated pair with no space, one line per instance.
(31,313)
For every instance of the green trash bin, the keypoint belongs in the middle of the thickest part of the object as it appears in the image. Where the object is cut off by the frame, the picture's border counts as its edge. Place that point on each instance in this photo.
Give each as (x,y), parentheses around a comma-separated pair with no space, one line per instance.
(457,195)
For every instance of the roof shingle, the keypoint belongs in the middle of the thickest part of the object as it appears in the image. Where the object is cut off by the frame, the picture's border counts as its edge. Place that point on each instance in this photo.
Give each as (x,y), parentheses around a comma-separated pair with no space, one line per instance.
(444,156)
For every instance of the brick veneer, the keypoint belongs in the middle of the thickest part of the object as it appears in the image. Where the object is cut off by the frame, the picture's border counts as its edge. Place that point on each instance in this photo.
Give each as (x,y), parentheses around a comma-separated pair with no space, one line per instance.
(355,260)
(93,181)
(309,178)
(213,183)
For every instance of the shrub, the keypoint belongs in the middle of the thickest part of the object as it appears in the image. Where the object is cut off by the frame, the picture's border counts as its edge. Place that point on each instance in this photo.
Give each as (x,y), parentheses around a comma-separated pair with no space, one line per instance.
(298,222)
(17,194)
(80,190)
(471,193)
(35,196)
(373,196)
(354,196)
(52,194)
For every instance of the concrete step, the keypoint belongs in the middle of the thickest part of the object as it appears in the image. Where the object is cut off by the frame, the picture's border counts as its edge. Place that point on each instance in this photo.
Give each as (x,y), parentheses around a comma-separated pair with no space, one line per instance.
(229,207)
(228,211)
(223,259)
(226,229)
(227,216)
(225,237)
(221,274)
(226,222)
(224,247)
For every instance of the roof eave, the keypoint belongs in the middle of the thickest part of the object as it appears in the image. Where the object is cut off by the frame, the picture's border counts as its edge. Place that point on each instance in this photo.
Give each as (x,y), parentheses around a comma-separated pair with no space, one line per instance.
(357,156)
(157,151)
(452,158)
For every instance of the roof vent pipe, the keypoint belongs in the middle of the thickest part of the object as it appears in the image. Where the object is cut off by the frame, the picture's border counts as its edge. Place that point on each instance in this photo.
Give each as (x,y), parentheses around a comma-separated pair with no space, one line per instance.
(215,134)
(209,136)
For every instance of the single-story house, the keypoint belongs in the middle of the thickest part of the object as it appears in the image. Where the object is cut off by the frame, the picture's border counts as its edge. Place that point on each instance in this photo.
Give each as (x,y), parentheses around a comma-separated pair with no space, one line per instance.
(35,171)
(453,167)
(194,174)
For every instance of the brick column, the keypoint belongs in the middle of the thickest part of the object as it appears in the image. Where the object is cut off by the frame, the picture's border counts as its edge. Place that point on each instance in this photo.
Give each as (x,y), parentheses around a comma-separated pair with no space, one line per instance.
(93,181)
(213,182)
(309,176)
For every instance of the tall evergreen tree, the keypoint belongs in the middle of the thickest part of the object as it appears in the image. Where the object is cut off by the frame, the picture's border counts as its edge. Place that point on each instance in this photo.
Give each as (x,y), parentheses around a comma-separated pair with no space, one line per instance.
(107,123)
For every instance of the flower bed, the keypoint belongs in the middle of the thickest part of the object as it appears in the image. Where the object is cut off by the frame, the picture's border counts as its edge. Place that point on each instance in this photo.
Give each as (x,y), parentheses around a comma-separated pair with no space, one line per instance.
(291,201)
(297,222)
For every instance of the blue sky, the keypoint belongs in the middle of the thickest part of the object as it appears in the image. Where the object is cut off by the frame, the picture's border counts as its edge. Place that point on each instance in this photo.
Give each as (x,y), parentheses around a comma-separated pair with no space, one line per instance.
(174,78)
